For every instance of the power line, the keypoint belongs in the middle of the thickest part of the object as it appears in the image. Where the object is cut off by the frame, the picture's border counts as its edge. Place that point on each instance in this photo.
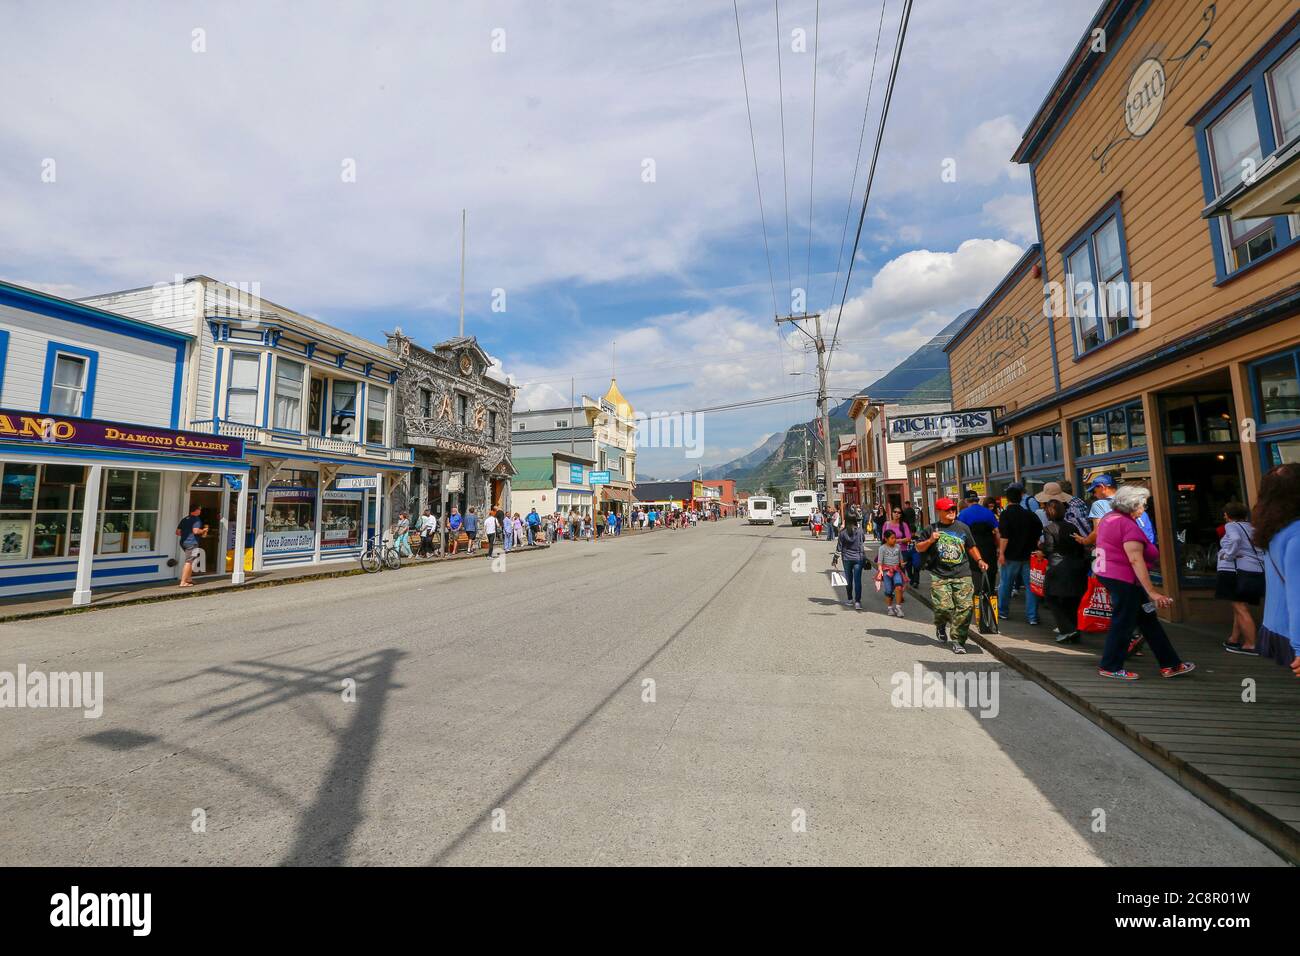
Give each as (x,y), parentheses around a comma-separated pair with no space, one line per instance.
(857,162)
(758,182)
(871,174)
(812,151)
(785,188)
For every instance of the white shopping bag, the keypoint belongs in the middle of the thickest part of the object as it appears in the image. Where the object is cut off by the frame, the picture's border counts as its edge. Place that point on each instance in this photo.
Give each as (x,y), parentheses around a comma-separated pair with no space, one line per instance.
(838,579)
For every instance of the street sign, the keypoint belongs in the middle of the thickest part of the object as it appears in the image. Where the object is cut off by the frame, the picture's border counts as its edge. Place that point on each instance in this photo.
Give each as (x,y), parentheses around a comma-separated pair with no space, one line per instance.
(598,478)
(858,475)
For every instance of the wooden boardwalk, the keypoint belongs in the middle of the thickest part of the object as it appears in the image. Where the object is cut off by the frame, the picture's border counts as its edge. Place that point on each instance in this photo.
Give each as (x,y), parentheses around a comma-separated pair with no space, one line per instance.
(1240,755)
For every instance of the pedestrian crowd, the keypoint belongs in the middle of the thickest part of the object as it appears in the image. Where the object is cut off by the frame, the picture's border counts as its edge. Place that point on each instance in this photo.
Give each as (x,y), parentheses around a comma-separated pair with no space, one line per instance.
(1092,565)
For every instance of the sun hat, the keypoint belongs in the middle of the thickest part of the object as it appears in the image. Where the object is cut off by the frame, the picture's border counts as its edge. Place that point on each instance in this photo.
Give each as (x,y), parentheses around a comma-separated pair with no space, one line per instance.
(1052,492)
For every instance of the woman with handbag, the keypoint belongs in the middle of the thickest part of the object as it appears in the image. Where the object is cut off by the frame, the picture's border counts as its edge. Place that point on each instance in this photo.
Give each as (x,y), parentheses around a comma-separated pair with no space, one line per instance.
(1240,576)
(1066,579)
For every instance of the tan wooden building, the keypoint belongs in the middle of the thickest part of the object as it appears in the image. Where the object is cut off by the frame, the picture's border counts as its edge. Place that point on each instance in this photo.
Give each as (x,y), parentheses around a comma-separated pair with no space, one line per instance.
(1153,331)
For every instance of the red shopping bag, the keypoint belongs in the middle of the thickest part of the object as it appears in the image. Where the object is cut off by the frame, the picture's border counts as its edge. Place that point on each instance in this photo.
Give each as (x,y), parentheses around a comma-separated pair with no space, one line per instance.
(1094,609)
(1037,574)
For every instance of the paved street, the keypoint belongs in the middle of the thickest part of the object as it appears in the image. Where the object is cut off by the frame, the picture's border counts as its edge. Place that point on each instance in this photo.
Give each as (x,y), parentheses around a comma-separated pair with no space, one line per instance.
(523,692)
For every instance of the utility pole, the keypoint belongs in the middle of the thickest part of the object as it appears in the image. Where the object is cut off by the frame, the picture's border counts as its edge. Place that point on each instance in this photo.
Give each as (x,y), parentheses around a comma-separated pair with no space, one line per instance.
(823,402)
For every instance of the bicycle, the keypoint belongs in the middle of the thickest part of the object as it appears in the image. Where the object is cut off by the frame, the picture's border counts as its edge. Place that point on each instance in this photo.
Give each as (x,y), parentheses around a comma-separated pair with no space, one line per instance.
(376,557)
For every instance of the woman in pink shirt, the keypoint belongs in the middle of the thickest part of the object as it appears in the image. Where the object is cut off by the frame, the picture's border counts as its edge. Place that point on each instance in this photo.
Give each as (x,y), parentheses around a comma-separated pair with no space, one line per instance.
(1124,556)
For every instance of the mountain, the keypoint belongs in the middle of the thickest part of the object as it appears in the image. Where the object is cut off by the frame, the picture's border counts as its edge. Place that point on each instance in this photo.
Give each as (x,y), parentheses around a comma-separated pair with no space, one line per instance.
(921,377)
(745,462)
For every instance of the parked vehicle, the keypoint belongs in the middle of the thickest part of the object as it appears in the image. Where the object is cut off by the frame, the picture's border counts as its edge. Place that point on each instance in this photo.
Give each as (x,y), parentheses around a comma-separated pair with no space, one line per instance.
(802,504)
(762,510)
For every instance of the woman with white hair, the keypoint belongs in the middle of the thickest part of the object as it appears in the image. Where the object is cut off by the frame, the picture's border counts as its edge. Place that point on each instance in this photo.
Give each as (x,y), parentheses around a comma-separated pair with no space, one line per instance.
(1124,556)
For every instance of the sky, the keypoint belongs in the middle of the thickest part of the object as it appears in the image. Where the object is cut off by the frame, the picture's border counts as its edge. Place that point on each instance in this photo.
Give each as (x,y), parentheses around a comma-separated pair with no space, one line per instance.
(603,154)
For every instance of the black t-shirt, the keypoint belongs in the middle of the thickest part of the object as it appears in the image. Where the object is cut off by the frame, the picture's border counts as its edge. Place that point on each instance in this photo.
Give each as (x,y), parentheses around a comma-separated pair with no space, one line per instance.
(1021,531)
(909,519)
(947,557)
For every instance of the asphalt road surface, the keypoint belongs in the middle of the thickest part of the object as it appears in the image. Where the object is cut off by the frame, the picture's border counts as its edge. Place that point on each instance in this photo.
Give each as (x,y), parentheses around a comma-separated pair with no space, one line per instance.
(506,718)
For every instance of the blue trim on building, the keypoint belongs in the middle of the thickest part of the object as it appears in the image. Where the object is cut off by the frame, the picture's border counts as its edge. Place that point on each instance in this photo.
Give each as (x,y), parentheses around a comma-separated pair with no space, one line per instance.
(11,582)
(30,300)
(1085,236)
(1255,85)
(81,453)
(4,355)
(52,351)
(216,389)
(1042,252)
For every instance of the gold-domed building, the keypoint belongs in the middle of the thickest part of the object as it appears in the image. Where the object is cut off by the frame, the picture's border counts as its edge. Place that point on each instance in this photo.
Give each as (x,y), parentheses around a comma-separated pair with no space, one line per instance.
(613,423)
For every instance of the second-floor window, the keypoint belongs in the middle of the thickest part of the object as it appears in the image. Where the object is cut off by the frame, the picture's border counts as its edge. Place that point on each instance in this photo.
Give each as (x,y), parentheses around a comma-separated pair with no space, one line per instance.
(376,414)
(462,409)
(343,410)
(241,393)
(1234,147)
(492,423)
(1098,285)
(316,405)
(426,403)
(68,387)
(1255,119)
(288,394)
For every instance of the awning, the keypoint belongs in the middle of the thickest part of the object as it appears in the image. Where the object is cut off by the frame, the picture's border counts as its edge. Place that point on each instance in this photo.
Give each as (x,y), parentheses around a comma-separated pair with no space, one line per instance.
(612,493)
(1274,189)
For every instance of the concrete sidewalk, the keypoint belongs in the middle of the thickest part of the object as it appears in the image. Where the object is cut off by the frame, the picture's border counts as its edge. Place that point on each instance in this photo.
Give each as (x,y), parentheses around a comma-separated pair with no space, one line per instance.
(1228,732)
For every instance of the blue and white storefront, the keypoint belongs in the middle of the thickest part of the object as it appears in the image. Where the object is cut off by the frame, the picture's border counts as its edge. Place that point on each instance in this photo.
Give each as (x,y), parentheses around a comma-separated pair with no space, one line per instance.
(92,415)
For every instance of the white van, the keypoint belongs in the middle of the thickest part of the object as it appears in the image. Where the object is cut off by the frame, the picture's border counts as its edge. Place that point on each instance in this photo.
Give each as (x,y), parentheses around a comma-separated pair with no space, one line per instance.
(802,504)
(762,510)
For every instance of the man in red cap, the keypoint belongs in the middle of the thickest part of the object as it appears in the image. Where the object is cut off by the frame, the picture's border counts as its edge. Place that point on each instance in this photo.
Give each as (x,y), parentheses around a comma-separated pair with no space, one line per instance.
(946,544)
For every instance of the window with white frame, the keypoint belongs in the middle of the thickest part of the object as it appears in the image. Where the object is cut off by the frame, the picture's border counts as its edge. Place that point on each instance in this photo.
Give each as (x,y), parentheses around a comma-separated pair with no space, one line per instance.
(1284,96)
(288,394)
(1234,148)
(343,409)
(68,387)
(376,414)
(241,393)
(1098,283)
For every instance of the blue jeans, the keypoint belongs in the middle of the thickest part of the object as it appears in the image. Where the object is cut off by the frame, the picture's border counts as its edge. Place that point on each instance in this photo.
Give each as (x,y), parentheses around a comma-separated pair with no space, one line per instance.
(853,575)
(1012,572)
(889,580)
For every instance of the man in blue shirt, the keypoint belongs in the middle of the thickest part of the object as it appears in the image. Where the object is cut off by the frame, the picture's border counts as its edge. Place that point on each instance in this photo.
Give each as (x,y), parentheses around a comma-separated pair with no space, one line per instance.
(534,520)
(983,525)
(454,522)
(471,529)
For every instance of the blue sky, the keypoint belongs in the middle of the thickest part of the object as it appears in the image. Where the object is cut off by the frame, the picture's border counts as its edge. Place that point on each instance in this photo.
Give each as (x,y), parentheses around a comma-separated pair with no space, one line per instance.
(213,138)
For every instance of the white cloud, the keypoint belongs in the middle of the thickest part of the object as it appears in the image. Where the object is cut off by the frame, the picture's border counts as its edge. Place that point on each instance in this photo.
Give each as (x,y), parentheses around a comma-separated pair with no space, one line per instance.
(1014,215)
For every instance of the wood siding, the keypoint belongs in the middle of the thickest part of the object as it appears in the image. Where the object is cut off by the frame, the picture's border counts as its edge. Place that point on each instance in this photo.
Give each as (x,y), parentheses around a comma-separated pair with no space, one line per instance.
(1005,359)
(1158,181)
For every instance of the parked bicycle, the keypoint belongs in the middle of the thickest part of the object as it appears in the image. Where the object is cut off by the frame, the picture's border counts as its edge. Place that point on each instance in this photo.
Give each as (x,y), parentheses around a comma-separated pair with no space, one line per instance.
(379,555)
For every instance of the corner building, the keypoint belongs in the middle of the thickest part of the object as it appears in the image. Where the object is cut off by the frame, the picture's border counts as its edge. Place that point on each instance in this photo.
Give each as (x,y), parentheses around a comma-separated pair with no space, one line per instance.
(1153,331)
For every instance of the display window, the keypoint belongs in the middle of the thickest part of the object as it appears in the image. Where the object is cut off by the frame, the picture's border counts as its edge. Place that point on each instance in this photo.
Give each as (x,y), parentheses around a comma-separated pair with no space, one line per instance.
(340,523)
(290,513)
(41,506)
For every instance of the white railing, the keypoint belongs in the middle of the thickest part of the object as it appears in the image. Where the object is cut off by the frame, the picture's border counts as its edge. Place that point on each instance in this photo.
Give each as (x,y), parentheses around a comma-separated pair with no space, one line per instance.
(251,434)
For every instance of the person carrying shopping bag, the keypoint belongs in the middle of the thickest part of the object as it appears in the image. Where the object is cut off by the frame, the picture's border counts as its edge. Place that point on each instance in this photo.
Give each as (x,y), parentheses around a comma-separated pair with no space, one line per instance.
(850,547)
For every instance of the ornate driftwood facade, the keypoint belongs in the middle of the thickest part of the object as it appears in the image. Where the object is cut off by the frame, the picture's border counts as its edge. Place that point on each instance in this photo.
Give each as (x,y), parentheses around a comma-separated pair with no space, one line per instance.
(456,418)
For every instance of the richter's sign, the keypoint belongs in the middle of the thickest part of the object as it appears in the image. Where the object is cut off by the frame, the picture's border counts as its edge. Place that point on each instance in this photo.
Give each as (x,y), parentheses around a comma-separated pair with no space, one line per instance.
(945,426)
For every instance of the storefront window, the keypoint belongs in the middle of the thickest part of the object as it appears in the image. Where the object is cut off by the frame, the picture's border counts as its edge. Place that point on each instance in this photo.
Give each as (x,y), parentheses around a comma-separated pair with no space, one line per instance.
(1112,430)
(340,524)
(1041,448)
(1277,389)
(128,519)
(1284,452)
(290,512)
(1197,419)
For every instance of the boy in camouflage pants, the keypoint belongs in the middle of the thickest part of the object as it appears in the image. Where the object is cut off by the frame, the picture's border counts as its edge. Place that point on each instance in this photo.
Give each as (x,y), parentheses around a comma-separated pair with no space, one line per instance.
(946,544)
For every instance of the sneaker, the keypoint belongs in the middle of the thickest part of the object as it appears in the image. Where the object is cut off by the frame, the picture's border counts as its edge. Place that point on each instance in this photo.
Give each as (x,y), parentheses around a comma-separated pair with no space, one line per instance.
(1232,648)
(1067,638)
(898,610)
(1056,630)
(941,634)
(1034,622)
(1117,675)
(1186,667)
(848,604)
(857,605)
(958,647)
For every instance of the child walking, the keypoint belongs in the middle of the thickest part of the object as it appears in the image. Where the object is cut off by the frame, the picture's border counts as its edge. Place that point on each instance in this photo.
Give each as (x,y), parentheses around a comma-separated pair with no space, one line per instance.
(889,572)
